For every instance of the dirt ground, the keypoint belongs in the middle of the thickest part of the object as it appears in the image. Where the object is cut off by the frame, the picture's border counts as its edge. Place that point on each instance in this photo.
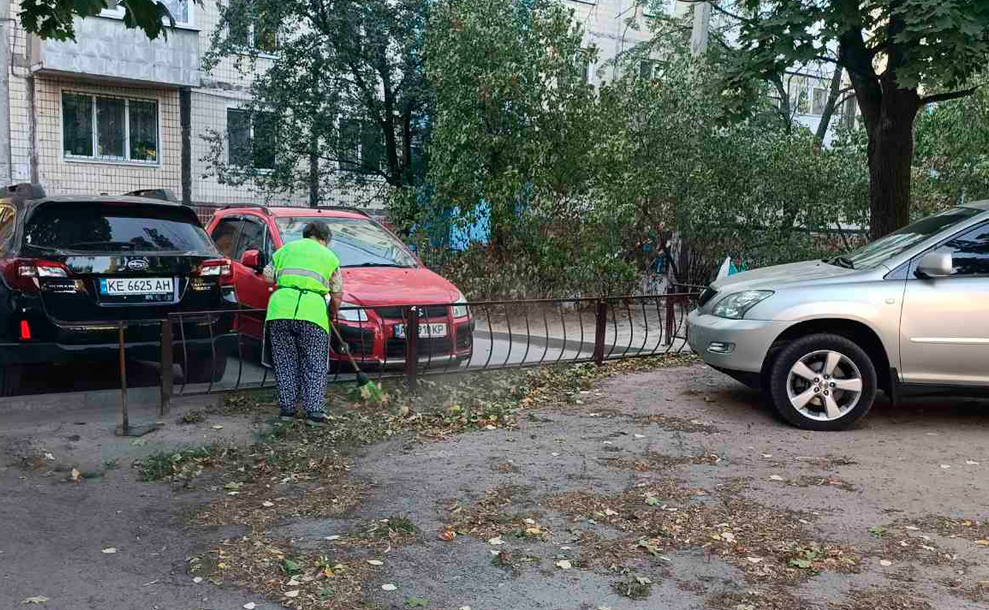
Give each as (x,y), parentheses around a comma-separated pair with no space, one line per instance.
(671,488)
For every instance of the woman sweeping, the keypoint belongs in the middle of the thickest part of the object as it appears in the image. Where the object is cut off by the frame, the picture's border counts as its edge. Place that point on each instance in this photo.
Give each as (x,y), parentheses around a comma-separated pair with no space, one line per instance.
(307,274)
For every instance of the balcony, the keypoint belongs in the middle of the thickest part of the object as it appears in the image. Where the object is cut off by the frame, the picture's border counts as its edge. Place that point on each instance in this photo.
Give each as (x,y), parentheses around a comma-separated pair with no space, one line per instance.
(105,49)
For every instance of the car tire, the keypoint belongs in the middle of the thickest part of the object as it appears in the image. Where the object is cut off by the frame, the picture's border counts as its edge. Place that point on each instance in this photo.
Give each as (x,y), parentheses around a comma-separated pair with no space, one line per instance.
(202,367)
(806,396)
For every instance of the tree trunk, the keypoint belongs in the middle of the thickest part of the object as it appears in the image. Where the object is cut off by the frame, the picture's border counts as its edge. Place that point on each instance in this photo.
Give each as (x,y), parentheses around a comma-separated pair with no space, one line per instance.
(313,180)
(833,94)
(890,158)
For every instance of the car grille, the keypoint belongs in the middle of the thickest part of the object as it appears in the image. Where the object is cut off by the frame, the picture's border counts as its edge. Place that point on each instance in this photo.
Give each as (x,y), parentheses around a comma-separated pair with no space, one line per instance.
(395,348)
(706,296)
(360,342)
(398,313)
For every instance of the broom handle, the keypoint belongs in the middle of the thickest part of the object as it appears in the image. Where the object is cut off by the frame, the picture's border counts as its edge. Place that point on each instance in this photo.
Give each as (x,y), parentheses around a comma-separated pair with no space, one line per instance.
(349,355)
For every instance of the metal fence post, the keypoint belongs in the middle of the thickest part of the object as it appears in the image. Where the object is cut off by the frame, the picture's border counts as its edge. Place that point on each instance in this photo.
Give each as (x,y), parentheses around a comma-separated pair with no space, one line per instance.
(600,328)
(670,316)
(411,346)
(125,422)
(167,361)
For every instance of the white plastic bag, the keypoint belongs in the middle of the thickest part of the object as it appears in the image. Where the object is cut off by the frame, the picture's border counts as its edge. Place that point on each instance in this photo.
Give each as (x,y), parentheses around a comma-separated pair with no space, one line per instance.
(725,268)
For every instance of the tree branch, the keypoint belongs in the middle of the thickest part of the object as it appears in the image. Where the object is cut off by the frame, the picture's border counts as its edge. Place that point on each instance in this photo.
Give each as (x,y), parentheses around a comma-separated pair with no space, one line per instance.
(944,97)
(721,10)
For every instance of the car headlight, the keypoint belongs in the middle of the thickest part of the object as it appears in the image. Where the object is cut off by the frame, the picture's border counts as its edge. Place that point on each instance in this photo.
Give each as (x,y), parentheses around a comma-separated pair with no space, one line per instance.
(460,309)
(735,306)
(352,315)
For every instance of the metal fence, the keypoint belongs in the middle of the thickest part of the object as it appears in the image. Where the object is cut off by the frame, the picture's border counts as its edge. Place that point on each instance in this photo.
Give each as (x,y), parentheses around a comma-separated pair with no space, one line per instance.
(418,340)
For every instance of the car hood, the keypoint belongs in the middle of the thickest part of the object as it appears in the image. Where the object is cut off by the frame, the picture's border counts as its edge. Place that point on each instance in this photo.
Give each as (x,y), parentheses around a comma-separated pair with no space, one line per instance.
(770,278)
(390,286)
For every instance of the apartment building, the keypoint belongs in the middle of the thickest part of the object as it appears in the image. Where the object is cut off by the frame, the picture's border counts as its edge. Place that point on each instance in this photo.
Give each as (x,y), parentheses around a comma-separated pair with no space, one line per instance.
(114,112)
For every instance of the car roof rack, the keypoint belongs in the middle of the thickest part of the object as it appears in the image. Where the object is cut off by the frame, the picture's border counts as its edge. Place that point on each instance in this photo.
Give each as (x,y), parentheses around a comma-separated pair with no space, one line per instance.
(161,194)
(24,191)
(256,206)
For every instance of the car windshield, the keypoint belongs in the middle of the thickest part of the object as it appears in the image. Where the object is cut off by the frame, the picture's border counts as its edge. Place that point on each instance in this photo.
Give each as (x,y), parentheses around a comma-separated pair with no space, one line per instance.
(881,250)
(79,226)
(356,242)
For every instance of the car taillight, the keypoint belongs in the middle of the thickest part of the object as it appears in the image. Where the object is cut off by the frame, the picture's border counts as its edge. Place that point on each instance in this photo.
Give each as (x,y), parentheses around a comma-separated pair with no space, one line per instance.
(23,273)
(220,268)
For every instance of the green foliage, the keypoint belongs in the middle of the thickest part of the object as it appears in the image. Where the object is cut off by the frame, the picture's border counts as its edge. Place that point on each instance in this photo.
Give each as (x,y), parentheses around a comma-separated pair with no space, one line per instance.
(952,157)
(512,107)
(343,103)
(54,18)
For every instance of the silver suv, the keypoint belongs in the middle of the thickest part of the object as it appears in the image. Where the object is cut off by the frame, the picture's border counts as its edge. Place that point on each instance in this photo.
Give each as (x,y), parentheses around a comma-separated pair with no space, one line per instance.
(908,313)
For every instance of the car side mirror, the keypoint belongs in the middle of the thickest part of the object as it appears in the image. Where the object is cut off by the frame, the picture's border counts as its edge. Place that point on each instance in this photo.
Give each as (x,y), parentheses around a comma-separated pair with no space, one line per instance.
(935,264)
(252,260)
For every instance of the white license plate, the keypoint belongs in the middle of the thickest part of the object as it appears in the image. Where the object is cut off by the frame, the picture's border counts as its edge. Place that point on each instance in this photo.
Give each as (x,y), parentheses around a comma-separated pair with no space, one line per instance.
(132,286)
(426,331)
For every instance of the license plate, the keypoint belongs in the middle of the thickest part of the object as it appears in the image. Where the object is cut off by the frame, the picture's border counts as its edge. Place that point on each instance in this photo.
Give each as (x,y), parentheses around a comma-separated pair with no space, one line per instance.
(426,331)
(134,286)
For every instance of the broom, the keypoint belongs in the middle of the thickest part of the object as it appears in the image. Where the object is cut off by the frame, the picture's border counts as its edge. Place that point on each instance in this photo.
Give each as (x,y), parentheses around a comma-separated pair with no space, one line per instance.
(374,390)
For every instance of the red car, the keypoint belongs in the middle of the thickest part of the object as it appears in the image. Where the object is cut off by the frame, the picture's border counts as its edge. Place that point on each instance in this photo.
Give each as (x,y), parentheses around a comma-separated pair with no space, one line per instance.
(380,275)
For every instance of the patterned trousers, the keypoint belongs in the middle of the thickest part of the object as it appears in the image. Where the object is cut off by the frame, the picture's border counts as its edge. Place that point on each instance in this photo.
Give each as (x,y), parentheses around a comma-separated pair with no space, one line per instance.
(300,351)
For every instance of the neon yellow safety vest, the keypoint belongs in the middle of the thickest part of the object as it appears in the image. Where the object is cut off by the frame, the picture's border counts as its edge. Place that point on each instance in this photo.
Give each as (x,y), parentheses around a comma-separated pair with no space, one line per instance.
(303,270)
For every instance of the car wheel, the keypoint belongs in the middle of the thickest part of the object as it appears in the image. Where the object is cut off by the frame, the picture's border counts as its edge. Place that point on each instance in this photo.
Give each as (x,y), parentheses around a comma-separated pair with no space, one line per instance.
(204,368)
(822,382)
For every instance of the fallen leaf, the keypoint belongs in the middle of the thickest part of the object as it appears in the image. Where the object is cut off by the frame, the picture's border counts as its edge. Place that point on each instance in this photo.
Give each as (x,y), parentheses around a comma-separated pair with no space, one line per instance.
(982,542)
(376,562)
(563,564)
(232,485)
(250,606)
(610,513)
(293,593)
(776,477)
(496,541)
(37,599)
(803,564)
(885,563)
(388,587)
(109,551)
(447,535)
(652,500)
(728,537)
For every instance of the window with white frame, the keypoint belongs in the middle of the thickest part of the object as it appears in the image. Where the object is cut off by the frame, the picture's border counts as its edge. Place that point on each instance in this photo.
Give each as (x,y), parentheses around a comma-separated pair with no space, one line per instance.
(250,139)
(107,128)
(820,100)
(259,34)
(180,10)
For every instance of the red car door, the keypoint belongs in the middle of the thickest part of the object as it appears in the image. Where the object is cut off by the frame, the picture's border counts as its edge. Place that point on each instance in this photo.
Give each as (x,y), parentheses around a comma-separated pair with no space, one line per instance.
(253,290)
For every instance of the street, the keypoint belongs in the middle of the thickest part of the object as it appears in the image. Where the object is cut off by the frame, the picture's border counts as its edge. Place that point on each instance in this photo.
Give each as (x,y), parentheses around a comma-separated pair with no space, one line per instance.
(756,514)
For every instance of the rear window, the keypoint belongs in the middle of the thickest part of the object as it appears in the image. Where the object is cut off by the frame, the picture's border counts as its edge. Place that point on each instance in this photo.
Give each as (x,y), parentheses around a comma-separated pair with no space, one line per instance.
(112,227)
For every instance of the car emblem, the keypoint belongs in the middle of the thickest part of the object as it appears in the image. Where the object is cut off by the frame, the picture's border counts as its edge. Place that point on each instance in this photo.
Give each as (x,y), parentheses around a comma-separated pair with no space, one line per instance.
(137,264)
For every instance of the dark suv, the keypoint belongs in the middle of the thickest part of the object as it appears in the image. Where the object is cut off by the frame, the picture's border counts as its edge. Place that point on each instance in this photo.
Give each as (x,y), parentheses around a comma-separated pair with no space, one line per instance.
(73,268)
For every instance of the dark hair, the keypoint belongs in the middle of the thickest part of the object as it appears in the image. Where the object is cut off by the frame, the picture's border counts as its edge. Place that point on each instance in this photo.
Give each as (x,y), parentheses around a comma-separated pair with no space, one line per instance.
(317,230)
